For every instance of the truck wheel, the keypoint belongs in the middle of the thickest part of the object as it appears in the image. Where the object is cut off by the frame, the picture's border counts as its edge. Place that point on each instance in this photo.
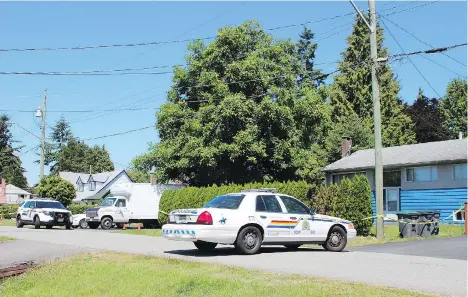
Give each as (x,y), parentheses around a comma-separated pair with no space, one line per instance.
(249,240)
(93,225)
(37,222)
(336,240)
(205,246)
(119,225)
(48,226)
(83,224)
(106,223)
(19,222)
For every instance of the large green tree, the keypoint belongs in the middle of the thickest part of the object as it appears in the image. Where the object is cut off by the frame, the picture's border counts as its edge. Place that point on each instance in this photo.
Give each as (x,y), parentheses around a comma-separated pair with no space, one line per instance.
(67,153)
(352,89)
(56,188)
(454,107)
(10,164)
(237,113)
(427,118)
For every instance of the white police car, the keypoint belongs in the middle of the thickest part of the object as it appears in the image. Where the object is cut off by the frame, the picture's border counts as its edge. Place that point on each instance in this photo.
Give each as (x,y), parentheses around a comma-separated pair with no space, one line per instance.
(43,212)
(254,218)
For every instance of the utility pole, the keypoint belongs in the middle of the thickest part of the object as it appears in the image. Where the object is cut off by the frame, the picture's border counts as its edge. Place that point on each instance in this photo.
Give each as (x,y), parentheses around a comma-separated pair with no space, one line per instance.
(43,116)
(377,121)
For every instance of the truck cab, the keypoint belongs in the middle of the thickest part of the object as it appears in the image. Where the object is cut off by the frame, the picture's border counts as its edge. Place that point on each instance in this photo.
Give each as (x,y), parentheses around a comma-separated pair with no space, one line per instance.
(113,210)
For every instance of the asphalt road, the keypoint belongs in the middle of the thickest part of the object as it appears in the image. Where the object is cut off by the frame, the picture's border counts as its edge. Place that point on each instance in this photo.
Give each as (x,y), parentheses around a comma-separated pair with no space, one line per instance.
(427,274)
(444,248)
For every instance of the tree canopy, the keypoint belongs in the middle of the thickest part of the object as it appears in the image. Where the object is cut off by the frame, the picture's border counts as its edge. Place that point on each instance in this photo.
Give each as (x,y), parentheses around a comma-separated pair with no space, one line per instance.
(454,107)
(10,164)
(67,153)
(56,188)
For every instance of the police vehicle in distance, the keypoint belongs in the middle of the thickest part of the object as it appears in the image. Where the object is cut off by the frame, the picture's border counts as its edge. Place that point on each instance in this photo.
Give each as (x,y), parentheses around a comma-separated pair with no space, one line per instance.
(253,218)
(43,212)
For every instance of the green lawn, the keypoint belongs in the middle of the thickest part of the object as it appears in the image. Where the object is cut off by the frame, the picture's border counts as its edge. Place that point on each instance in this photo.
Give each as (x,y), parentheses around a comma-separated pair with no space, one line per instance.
(392,235)
(147,232)
(6,238)
(114,274)
(5,222)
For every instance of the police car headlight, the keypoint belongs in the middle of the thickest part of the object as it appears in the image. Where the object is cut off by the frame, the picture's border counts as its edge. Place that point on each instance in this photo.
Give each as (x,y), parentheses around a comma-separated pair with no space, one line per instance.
(46,213)
(350,226)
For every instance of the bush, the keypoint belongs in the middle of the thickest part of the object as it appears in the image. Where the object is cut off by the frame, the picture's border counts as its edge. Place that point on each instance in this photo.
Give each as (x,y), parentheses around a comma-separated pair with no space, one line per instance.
(56,188)
(351,200)
(80,208)
(8,211)
(193,197)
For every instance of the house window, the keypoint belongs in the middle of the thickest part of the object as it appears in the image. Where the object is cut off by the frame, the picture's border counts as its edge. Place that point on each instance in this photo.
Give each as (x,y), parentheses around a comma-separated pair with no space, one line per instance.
(392,178)
(459,172)
(80,187)
(421,174)
(337,178)
(92,186)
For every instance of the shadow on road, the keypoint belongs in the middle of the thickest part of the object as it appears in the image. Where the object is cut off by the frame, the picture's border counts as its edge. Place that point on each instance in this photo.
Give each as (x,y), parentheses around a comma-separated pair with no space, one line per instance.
(231,251)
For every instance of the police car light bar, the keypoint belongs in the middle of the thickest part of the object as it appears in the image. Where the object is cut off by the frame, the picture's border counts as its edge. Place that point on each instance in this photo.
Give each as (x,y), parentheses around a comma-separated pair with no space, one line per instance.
(267,190)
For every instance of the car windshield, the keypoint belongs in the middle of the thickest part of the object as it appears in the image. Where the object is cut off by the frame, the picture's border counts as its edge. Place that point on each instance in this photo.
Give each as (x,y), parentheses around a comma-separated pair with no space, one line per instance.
(108,202)
(49,204)
(225,201)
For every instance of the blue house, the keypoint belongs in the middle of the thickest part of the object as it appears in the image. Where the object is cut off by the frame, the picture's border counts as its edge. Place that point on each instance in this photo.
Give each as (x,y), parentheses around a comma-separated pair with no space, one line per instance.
(425,176)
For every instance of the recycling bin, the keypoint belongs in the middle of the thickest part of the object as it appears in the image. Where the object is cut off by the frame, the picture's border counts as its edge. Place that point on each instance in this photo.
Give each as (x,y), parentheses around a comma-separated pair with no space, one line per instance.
(428,222)
(408,223)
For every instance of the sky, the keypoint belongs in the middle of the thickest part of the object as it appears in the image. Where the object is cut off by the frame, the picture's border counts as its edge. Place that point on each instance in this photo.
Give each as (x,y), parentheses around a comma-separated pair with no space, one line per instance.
(69,24)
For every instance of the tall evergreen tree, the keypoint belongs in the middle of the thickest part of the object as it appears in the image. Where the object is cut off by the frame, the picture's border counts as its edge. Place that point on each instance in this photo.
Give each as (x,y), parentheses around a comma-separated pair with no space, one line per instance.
(454,107)
(306,52)
(352,89)
(427,118)
(10,164)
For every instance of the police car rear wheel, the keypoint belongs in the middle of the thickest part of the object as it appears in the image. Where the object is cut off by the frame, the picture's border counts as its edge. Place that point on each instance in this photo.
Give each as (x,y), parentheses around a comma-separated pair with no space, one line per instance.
(249,240)
(37,222)
(205,246)
(336,240)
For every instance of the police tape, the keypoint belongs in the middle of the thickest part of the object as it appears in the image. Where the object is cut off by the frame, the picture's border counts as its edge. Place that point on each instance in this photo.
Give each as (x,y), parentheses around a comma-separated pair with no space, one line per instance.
(164,212)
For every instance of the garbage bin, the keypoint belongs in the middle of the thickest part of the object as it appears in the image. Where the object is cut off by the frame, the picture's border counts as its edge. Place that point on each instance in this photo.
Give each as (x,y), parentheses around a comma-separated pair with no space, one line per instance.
(428,222)
(408,223)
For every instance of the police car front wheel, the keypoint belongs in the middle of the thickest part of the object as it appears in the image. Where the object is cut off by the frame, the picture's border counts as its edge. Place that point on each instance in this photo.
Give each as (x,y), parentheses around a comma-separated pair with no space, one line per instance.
(336,240)
(19,222)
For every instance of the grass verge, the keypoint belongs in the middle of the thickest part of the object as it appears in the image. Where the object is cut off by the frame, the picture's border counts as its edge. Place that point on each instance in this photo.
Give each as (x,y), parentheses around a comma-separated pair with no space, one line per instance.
(146,232)
(113,274)
(392,235)
(6,222)
(6,238)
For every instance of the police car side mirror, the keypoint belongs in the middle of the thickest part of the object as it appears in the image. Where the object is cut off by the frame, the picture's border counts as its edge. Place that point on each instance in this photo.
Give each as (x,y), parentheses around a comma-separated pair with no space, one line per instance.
(311,211)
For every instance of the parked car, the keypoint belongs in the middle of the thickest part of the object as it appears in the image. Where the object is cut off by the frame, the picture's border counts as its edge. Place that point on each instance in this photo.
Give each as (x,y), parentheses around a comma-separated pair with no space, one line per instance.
(43,212)
(79,220)
(253,218)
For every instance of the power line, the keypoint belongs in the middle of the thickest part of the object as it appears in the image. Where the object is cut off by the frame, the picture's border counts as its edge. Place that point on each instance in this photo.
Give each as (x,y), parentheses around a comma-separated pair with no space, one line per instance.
(27,131)
(421,41)
(411,8)
(31,149)
(76,111)
(429,51)
(442,66)
(120,133)
(411,61)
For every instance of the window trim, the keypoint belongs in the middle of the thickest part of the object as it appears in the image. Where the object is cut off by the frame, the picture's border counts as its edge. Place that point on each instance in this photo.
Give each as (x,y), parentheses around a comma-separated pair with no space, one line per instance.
(340,174)
(80,187)
(92,186)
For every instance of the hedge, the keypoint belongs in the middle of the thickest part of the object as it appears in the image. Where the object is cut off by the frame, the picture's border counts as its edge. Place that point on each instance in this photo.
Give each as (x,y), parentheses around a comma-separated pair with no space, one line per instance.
(350,200)
(193,197)
(8,211)
(80,208)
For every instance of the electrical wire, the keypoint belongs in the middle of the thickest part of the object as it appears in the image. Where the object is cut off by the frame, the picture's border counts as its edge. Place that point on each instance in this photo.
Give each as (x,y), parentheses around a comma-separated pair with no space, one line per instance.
(27,130)
(421,41)
(31,149)
(120,133)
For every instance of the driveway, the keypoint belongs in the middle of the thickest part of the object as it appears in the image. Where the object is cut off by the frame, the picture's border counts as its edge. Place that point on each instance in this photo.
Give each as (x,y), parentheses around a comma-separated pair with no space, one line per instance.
(444,248)
(427,274)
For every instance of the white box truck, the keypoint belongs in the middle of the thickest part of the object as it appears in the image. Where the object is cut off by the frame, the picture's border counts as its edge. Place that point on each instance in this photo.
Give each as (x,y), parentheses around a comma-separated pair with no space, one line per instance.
(129,203)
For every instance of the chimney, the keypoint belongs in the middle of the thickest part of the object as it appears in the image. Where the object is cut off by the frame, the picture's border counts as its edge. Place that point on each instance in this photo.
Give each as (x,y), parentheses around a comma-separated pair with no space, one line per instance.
(346,143)
(3,192)
(152,179)
(460,135)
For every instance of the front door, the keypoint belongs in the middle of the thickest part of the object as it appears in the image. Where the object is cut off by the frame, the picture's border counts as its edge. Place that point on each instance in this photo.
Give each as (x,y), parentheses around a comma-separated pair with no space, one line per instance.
(122,212)
(274,221)
(391,200)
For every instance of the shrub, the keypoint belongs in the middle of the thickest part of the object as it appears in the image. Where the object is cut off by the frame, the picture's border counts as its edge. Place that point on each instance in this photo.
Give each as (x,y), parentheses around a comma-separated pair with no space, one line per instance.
(56,188)
(80,208)
(193,197)
(8,211)
(351,200)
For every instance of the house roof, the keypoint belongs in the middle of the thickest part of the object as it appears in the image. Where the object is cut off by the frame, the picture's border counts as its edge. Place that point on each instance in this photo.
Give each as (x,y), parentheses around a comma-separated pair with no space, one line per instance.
(11,189)
(439,152)
(104,177)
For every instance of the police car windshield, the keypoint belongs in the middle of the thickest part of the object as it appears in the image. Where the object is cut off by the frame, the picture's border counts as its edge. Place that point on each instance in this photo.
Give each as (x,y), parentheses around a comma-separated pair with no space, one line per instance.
(49,204)
(108,202)
(225,201)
